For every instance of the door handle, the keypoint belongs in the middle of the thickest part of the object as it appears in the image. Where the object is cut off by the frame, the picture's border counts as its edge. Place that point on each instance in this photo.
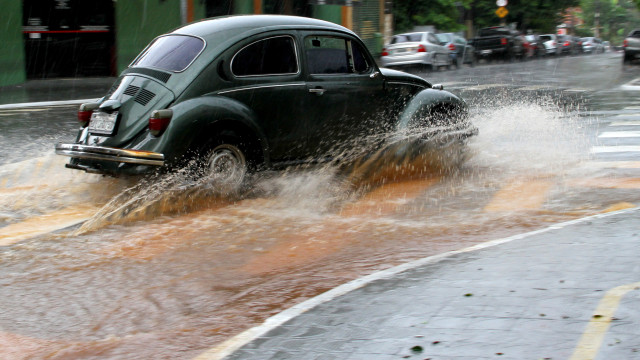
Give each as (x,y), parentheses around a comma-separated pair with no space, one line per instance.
(318,91)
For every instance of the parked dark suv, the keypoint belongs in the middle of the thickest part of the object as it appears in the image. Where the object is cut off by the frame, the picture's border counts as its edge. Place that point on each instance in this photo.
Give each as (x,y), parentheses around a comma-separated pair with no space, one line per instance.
(631,46)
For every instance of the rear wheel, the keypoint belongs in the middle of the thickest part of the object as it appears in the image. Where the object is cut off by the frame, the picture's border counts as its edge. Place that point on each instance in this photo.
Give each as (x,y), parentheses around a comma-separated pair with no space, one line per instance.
(222,163)
(226,164)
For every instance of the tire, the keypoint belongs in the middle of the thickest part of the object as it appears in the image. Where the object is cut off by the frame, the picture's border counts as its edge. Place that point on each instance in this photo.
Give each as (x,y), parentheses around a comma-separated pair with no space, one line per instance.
(222,163)
(626,59)
(472,61)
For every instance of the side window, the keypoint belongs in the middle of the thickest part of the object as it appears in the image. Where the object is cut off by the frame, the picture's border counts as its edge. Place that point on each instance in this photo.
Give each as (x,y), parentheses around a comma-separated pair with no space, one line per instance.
(335,55)
(360,64)
(271,56)
(326,55)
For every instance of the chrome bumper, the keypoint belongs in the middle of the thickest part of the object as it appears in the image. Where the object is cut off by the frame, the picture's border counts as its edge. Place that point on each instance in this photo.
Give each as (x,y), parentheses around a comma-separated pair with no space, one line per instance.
(110,154)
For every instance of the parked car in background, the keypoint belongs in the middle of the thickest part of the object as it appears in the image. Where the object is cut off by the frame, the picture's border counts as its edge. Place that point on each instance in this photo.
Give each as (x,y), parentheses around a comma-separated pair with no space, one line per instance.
(631,46)
(578,45)
(606,45)
(566,45)
(460,51)
(536,44)
(498,42)
(550,42)
(242,93)
(418,48)
(592,45)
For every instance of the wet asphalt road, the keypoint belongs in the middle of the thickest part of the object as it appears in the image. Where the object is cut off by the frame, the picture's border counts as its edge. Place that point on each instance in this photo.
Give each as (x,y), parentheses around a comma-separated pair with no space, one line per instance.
(157,271)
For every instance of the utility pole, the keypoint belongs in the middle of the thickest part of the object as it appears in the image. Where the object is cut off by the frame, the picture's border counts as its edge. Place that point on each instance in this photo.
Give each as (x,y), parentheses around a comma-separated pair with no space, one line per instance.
(596,20)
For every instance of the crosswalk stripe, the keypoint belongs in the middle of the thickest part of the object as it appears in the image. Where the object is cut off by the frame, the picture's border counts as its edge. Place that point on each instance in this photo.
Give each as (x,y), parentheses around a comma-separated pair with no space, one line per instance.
(620,134)
(613,164)
(614,149)
(625,123)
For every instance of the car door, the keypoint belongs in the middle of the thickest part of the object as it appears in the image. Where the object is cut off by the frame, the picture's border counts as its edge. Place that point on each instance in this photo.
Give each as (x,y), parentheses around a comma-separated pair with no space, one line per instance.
(441,52)
(266,77)
(345,91)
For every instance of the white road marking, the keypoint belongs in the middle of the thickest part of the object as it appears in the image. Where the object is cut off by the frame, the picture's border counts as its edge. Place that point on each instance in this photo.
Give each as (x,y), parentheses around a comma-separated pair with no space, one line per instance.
(226,348)
(625,123)
(614,149)
(620,134)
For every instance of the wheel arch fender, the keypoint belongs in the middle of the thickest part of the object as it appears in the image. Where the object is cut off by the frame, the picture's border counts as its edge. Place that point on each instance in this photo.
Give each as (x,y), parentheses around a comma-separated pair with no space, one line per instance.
(420,108)
(198,120)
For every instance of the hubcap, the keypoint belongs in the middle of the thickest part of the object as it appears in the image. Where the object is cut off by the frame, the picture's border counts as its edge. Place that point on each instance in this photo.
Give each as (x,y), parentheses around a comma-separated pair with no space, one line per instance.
(226,165)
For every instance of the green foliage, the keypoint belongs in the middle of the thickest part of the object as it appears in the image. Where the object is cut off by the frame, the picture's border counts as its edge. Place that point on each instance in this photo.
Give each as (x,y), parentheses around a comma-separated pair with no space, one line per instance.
(445,15)
(540,16)
(616,19)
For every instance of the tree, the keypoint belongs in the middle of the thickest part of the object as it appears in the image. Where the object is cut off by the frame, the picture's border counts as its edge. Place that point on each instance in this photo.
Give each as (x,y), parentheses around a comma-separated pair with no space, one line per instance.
(537,15)
(615,19)
(445,15)
(450,15)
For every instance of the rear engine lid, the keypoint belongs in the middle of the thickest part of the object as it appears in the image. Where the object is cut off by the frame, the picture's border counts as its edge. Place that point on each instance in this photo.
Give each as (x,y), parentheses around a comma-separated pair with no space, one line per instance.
(131,99)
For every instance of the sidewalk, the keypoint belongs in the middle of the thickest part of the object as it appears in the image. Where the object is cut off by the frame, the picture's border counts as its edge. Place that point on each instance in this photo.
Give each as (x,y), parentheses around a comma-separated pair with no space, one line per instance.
(48,90)
(571,291)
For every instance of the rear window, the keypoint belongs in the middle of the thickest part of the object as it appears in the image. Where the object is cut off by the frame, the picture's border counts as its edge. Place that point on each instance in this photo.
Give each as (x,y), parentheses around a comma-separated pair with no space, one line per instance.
(545,38)
(172,53)
(406,38)
(443,38)
(635,34)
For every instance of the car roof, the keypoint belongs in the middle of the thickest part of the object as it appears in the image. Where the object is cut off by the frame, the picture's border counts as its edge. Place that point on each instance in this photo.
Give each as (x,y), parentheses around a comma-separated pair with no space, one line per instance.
(243,24)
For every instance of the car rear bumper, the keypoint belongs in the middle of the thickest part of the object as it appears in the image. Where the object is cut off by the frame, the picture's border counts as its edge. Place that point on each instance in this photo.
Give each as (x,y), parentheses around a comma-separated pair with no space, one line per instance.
(103,153)
(420,58)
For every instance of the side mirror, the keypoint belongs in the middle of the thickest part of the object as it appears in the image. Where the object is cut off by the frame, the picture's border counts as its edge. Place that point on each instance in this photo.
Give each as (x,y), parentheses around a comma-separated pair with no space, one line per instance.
(437,87)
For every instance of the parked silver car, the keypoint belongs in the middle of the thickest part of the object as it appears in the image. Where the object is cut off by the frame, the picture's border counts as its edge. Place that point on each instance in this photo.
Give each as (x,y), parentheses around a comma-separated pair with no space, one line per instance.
(592,45)
(419,48)
(550,42)
(460,51)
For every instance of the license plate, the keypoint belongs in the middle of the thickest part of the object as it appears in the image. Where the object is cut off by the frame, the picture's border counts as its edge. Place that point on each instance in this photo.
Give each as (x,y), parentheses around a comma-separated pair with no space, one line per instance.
(485,52)
(103,123)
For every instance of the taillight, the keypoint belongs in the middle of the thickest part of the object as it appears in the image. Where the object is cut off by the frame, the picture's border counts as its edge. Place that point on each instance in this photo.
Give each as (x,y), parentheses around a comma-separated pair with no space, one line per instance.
(503,41)
(385,52)
(566,43)
(422,48)
(159,121)
(452,47)
(85,111)
(553,43)
(625,43)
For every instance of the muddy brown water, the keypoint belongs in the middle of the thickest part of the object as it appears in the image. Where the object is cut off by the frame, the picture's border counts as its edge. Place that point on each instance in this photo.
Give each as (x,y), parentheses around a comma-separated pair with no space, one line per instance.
(94,267)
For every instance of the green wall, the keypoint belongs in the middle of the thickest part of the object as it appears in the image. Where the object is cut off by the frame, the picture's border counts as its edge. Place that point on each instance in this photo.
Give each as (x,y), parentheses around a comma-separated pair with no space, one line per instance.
(12,67)
(331,13)
(139,22)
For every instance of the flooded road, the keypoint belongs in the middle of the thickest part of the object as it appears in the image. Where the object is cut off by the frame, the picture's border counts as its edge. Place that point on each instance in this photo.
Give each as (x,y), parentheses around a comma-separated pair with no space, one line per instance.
(95,267)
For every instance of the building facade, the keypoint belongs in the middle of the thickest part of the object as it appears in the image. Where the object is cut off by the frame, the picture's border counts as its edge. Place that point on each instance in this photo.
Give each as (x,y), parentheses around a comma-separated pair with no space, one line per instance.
(69,38)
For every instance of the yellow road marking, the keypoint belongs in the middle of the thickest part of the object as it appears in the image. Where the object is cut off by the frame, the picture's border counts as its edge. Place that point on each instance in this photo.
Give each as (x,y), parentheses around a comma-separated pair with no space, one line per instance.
(520,195)
(593,335)
(44,224)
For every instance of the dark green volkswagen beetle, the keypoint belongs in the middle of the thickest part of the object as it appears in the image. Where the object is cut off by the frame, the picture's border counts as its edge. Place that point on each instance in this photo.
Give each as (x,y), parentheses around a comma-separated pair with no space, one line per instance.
(245,93)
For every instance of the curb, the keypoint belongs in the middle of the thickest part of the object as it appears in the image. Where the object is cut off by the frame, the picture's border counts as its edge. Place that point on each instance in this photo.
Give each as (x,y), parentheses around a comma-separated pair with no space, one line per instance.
(229,346)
